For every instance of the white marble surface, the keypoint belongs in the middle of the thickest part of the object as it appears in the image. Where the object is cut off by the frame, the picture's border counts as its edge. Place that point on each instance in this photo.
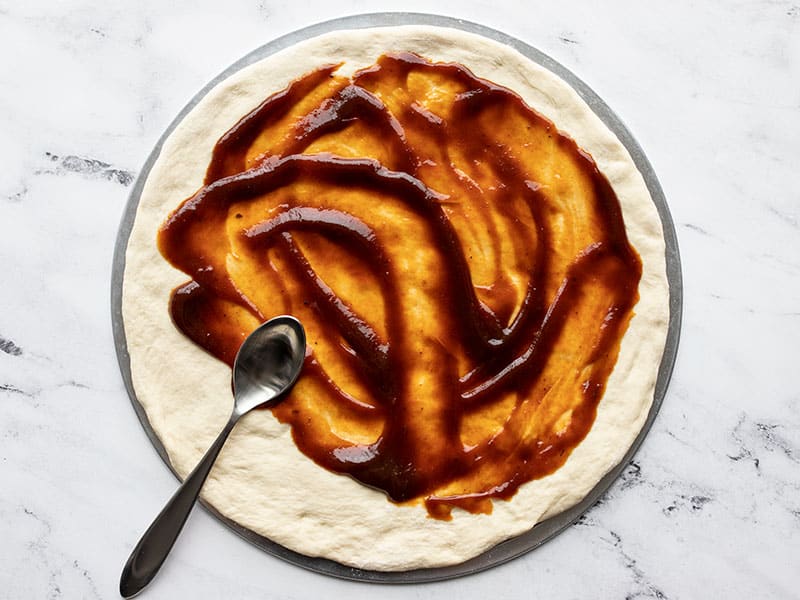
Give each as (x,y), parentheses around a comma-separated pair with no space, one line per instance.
(711,505)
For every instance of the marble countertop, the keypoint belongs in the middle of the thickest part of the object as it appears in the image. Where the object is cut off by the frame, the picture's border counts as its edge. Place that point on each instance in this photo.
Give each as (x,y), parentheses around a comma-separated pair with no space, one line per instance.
(709,507)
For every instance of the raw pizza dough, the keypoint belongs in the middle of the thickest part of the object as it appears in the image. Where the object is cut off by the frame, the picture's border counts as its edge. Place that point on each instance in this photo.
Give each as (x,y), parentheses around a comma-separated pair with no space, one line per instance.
(261,480)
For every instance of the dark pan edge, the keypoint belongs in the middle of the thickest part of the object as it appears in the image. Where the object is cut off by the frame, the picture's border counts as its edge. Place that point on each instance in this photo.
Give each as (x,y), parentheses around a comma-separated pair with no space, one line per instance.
(543,531)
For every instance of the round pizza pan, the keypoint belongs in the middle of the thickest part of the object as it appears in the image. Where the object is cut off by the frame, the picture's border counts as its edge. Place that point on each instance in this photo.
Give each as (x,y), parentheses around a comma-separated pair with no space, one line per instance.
(543,531)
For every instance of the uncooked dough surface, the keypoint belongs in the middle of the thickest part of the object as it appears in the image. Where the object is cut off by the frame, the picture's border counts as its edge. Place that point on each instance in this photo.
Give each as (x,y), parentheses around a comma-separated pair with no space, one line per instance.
(261,480)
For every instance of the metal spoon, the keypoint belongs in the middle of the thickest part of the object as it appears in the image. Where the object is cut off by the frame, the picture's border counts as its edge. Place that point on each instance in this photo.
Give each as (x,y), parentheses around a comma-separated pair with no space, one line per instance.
(266,366)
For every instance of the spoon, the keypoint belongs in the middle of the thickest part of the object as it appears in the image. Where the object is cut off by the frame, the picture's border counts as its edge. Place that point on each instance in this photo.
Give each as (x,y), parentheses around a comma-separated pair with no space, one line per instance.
(266,366)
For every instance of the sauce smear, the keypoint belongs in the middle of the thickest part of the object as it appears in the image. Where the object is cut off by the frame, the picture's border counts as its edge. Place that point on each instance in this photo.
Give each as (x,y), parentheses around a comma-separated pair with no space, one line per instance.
(460,265)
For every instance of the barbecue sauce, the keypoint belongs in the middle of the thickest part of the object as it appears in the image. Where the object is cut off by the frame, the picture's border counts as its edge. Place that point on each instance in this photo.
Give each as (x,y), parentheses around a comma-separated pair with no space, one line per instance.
(460,265)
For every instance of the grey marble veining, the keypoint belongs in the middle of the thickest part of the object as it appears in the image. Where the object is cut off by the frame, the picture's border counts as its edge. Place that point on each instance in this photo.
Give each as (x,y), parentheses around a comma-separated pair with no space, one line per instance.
(709,507)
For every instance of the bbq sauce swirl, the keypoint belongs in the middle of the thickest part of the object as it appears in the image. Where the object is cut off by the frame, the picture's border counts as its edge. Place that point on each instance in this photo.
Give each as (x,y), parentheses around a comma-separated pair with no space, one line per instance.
(461,268)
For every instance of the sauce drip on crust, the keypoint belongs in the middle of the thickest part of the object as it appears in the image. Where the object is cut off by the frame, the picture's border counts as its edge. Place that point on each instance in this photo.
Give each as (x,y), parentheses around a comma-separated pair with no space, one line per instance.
(461,268)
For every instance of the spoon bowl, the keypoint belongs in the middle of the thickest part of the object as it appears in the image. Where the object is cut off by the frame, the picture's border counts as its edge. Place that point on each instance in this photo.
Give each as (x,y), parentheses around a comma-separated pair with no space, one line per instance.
(266,366)
(279,343)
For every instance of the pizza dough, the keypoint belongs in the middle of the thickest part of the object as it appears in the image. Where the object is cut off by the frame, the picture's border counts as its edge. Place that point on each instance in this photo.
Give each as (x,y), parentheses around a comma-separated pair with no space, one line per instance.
(261,480)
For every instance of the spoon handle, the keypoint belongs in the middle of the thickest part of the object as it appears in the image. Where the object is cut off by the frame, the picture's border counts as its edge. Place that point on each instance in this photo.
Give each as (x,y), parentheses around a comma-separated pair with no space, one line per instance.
(149,554)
